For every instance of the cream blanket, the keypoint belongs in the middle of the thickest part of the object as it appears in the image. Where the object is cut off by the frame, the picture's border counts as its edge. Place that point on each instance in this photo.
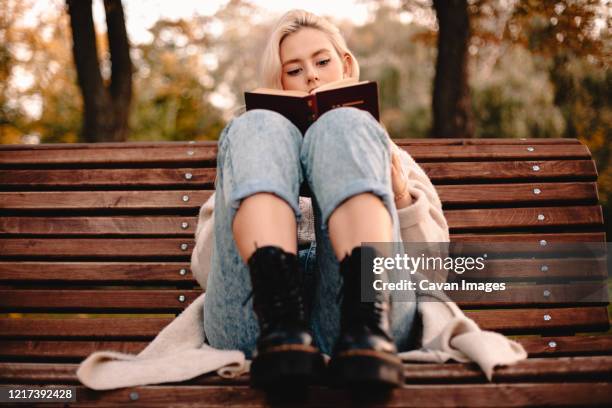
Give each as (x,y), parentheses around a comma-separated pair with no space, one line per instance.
(179,351)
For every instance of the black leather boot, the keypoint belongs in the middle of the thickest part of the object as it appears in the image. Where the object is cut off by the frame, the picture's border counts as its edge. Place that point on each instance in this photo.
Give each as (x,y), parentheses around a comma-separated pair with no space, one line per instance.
(285,353)
(364,354)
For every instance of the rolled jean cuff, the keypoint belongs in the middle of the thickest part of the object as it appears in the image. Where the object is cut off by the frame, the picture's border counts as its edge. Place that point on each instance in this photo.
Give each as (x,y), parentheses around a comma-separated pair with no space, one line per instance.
(254,187)
(357,187)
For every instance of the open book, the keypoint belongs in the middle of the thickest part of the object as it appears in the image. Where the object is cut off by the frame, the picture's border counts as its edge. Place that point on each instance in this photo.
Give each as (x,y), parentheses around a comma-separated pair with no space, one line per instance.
(303,108)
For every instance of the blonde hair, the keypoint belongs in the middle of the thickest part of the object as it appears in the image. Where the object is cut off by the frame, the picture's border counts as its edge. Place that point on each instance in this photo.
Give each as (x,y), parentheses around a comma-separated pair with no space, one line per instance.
(270,64)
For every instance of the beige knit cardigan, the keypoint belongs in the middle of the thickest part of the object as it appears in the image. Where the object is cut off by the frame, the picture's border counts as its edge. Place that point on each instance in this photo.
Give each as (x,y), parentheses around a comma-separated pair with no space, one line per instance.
(179,351)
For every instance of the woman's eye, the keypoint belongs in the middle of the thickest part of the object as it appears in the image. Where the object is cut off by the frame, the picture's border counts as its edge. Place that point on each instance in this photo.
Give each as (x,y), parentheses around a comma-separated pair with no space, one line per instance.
(294,72)
(324,62)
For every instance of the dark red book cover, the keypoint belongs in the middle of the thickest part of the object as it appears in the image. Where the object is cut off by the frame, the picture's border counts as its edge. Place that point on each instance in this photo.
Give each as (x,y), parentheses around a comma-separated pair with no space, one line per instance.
(304,110)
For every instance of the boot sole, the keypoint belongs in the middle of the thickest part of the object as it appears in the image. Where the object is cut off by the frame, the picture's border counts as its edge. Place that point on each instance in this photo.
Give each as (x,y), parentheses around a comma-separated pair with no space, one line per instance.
(357,369)
(287,366)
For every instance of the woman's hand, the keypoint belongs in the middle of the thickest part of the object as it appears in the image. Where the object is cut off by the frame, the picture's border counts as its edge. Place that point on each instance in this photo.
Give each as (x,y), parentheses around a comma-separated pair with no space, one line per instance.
(399,182)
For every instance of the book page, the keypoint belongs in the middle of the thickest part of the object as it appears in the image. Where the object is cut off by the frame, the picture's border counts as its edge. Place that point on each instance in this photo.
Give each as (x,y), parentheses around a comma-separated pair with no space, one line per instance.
(338,84)
(282,92)
(332,85)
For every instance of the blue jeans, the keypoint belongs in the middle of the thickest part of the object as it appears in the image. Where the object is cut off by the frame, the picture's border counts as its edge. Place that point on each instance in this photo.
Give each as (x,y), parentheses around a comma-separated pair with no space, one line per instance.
(344,153)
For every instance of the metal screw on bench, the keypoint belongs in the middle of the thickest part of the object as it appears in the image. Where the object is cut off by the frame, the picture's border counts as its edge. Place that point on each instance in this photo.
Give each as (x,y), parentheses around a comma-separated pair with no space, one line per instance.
(181,298)
(190,153)
(536,168)
(547,317)
(543,242)
(185,198)
(134,396)
(188,176)
(184,247)
(530,149)
(184,225)
(546,293)
(544,268)
(183,272)
(541,217)
(536,191)
(552,344)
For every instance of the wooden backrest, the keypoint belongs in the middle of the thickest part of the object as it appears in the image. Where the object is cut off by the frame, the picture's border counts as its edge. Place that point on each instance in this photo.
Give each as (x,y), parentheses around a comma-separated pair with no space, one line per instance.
(95,239)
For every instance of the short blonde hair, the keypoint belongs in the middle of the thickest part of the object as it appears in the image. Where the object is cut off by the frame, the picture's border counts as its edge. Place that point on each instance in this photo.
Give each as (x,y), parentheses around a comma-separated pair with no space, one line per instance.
(270,64)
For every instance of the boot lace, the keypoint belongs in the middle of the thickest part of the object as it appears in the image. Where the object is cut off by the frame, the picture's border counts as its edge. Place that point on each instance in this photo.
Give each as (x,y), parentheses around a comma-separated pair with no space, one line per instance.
(279,304)
(357,311)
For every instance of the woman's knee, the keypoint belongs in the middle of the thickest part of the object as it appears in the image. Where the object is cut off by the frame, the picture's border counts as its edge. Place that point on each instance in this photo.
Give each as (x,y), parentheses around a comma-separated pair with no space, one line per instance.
(346,124)
(263,124)
(260,136)
(344,135)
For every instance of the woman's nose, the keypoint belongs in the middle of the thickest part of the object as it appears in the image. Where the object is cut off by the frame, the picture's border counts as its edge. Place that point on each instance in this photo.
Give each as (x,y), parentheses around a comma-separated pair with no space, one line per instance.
(311,74)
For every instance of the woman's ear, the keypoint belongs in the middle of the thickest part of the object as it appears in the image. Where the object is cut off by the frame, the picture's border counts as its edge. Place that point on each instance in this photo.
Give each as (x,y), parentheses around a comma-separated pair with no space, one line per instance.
(346,66)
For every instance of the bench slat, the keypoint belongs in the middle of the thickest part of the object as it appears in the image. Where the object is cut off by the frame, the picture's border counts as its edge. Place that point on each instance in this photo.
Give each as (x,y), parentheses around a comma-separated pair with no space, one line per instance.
(537,239)
(118,300)
(510,170)
(28,180)
(454,195)
(512,321)
(168,300)
(416,395)
(576,319)
(206,155)
(170,272)
(97,248)
(566,345)
(11,349)
(118,327)
(520,269)
(566,368)
(185,226)
(485,141)
(524,217)
(161,155)
(65,272)
(41,349)
(132,200)
(552,369)
(516,193)
(120,249)
(500,152)
(206,143)
(93,225)
(87,178)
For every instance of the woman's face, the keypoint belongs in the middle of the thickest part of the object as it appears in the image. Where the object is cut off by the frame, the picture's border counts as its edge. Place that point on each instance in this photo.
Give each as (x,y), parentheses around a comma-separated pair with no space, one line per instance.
(309,60)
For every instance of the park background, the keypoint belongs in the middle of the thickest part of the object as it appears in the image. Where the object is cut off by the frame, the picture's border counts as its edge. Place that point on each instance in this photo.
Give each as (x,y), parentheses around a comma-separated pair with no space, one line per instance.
(176,70)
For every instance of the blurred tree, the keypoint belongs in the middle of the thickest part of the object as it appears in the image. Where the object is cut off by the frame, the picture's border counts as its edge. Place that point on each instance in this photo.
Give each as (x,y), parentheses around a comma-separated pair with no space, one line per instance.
(106,107)
(516,99)
(451,105)
(550,28)
(452,113)
(403,70)
(39,100)
(237,50)
(572,40)
(172,85)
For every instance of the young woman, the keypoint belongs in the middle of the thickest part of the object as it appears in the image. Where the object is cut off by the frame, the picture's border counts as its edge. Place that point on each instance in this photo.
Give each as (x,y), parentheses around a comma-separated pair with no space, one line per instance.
(297,257)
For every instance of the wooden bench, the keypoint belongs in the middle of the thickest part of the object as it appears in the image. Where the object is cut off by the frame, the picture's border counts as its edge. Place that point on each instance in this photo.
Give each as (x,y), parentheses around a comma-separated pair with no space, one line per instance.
(95,244)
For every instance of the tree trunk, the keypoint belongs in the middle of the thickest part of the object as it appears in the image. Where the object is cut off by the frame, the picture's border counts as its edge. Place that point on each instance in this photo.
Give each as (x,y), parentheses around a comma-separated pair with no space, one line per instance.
(121,73)
(452,111)
(106,108)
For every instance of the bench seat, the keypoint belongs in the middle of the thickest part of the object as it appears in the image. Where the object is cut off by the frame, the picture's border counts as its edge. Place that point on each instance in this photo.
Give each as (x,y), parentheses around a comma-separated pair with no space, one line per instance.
(95,245)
